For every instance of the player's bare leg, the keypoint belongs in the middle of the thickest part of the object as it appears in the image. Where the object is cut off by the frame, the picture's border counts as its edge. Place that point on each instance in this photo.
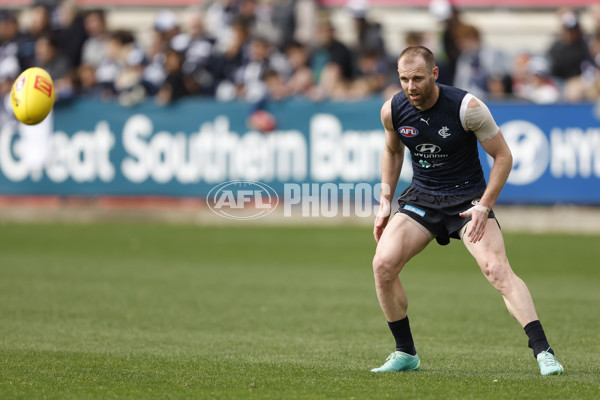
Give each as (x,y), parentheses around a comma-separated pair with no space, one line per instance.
(490,254)
(400,241)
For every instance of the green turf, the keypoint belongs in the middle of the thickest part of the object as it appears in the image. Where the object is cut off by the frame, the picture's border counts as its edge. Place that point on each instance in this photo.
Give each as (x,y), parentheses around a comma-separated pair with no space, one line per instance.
(120,311)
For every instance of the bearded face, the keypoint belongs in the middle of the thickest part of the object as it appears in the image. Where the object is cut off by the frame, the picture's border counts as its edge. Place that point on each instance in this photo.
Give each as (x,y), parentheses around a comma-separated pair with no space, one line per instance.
(418,81)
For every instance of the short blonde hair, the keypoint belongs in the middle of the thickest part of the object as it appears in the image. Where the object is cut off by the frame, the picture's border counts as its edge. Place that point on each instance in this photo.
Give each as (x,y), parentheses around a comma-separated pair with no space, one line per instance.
(420,51)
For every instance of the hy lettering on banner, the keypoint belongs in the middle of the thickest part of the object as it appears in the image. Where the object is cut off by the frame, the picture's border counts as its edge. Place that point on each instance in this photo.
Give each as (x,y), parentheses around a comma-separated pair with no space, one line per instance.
(570,152)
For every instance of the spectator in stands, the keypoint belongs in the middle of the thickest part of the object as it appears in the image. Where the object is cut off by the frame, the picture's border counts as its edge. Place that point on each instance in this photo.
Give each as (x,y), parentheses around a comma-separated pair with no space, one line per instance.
(130,85)
(174,86)
(116,58)
(71,32)
(276,86)
(246,10)
(228,63)
(519,71)
(414,38)
(10,38)
(369,38)
(332,63)
(166,28)
(448,55)
(592,72)
(49,57)
(87,84)
(199,55)
(220,17)
(305,13)
(476,63)
(499,87)
(331,51)
(536,86)
(301,79)
(39,20)
(594,46)
(9,70)
(594,11)
(371,77)
(570,59)
(569,51)
(283,17)
(281,22)
(39,24)
(263,57)
(166,25)
(94,47)
(259,18)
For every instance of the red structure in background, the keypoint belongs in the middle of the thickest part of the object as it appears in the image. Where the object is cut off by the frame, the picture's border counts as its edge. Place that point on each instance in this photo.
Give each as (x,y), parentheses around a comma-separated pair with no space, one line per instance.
(475,3)
(337,3)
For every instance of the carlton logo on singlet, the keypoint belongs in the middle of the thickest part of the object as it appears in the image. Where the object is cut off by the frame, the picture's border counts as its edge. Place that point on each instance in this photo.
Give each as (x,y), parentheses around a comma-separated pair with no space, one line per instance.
(408,131)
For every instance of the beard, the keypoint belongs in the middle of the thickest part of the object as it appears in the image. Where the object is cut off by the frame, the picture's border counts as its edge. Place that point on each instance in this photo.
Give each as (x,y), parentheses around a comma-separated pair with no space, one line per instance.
(422,95)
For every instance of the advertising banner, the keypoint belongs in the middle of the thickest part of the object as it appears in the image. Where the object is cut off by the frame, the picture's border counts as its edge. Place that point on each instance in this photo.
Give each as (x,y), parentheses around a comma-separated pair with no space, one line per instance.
(556,152)
(188,148)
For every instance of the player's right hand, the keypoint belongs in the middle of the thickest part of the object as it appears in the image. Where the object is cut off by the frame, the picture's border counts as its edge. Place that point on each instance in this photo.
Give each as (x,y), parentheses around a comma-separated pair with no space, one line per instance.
(381,220)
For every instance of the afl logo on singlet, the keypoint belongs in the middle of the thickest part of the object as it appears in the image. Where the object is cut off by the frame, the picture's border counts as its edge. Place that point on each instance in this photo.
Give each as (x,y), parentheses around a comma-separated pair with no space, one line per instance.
(408,131)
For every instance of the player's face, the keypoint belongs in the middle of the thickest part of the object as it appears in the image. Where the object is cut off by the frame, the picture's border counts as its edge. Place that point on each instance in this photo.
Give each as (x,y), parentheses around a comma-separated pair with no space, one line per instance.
(418,82)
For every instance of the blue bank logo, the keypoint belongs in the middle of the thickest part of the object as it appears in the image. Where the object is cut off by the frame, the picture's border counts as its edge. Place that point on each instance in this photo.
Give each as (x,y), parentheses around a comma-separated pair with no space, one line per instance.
(414,209)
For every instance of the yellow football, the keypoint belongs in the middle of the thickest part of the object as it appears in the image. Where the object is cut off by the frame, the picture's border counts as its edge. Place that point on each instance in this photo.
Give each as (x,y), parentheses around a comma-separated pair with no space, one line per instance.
(32,96)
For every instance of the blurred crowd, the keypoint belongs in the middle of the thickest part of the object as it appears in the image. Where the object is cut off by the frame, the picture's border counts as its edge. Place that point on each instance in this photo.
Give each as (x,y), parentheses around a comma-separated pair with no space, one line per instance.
(259,50)
(567,72)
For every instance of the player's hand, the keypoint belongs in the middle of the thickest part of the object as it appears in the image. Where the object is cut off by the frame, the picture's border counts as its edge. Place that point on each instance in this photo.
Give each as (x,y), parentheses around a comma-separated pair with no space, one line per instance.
(381,220)
(479,216)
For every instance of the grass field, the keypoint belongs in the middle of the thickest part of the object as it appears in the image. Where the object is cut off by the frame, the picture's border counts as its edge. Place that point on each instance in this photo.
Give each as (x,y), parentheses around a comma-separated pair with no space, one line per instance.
(124,311)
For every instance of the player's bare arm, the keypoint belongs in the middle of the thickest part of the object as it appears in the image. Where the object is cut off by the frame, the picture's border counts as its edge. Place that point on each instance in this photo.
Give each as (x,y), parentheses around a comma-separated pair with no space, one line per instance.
(391,165)
(483,126)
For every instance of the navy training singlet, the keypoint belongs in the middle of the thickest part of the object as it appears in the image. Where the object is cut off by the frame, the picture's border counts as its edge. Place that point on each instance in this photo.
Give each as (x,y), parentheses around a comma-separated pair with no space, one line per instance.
(445,158)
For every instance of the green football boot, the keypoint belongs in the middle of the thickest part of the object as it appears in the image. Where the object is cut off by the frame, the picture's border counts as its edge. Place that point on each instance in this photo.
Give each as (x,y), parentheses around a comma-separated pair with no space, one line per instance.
(400,361)
(549,365)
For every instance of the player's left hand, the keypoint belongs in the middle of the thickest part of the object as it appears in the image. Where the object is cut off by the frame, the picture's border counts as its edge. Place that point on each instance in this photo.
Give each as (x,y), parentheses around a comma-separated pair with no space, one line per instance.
(479,216)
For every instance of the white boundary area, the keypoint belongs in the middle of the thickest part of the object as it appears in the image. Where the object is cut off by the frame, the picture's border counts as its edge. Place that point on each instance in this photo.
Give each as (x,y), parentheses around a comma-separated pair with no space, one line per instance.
(532,219)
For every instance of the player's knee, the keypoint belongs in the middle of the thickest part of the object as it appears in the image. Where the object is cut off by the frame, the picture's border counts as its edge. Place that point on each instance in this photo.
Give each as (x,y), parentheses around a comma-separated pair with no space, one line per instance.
(385,268)
(498,273)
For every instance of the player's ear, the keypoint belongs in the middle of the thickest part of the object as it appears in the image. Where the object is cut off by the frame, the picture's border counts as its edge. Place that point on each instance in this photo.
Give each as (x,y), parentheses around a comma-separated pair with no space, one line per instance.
(436,72)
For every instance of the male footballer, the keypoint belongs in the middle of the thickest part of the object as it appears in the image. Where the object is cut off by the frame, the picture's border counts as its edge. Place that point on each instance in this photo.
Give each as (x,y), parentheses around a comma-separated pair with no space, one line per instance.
(448,198)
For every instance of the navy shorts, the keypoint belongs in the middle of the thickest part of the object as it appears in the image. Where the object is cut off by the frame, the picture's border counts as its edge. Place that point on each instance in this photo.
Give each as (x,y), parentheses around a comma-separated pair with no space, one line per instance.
(438,213)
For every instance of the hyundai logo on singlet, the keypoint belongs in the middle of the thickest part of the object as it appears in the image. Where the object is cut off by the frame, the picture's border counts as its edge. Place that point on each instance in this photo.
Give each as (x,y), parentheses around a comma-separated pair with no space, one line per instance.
(428,148)
(408,131)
